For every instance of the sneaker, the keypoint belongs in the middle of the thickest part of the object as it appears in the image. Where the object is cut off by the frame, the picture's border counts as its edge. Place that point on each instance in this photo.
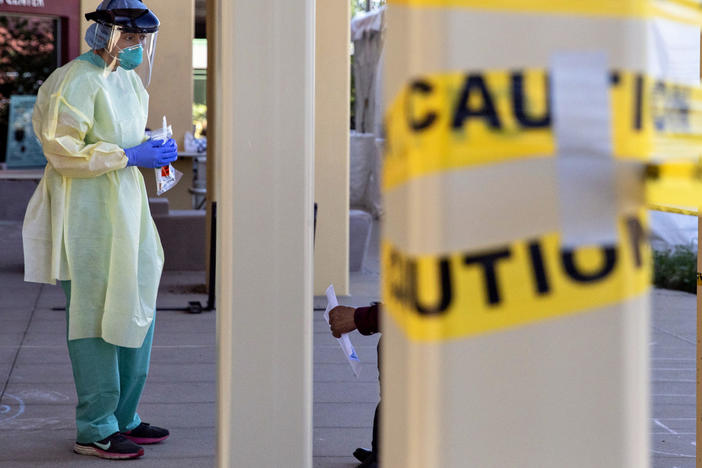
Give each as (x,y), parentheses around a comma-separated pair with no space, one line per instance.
(114,447)
(146,434)
(370,462)
(361,454)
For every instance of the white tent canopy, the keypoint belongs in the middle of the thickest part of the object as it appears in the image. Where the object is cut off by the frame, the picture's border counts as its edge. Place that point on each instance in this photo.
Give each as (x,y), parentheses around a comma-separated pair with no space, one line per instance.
(669,230)
(367,23)
(367,33)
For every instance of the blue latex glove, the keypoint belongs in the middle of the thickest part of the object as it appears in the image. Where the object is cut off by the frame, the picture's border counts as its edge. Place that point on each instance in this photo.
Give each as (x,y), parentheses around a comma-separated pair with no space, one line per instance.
(152,153)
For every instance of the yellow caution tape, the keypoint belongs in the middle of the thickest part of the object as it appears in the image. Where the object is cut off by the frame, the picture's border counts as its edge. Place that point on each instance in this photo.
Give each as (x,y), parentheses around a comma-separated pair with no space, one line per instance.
(675,187)
(463,119)
(688,11)
(469,293)
(673,209)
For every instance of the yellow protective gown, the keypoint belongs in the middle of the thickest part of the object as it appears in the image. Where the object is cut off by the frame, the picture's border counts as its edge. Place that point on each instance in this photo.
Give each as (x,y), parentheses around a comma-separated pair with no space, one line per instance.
(89,220)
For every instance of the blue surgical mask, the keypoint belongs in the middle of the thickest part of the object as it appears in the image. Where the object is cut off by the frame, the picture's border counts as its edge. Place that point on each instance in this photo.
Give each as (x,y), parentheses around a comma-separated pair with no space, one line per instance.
(131,57)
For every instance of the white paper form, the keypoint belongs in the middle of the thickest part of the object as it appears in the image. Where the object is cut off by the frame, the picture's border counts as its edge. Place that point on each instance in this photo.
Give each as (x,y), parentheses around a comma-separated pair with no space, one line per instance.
(344,341)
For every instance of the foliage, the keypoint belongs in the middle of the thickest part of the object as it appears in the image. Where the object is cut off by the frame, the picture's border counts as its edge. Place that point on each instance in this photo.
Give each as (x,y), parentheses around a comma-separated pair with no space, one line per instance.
(27,57)
(676,269)
(200,120)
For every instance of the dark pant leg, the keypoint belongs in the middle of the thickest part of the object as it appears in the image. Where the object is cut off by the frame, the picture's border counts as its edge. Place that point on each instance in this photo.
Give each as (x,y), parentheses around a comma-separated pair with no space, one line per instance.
(376,428)
(376,418)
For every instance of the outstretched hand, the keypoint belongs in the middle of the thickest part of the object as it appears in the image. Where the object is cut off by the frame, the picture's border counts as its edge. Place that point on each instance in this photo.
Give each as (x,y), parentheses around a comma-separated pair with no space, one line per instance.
(341,320)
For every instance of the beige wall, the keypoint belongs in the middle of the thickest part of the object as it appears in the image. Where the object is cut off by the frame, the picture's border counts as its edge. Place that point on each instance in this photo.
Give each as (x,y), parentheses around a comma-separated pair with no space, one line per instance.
(85,7)
(171,89)
(332,88)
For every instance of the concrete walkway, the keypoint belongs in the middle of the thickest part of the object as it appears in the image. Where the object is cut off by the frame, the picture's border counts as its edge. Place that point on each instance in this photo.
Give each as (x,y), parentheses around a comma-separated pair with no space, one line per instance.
(673,344)
(37,426)
(38,398)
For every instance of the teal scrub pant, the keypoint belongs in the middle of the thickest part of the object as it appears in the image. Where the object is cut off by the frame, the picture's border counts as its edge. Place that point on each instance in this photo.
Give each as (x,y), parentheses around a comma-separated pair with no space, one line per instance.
(109,380)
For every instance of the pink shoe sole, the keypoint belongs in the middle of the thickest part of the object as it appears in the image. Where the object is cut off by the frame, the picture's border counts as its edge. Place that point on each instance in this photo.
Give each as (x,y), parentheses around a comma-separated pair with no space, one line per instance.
(145,440)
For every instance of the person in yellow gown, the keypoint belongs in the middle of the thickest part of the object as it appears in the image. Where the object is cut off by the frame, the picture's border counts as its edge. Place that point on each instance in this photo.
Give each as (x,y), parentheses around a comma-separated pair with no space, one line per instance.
(88,224)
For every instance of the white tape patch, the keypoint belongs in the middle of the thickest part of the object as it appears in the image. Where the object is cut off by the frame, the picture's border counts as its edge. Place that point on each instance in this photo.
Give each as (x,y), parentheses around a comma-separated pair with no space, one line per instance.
(582,126)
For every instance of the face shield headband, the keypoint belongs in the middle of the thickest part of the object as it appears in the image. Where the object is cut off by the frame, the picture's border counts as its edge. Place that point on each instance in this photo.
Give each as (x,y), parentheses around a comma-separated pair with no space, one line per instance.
(129,19)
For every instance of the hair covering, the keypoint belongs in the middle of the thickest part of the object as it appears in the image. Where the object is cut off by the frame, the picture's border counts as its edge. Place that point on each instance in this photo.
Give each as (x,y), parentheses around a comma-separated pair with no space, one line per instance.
(97,34)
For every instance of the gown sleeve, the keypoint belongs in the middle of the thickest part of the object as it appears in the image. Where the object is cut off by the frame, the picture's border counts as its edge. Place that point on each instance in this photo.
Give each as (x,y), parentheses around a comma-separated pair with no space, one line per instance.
(62,117)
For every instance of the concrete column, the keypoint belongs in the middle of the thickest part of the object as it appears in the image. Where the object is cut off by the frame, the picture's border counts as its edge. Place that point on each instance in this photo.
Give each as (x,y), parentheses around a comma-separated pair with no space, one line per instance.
(332,89)
(518,389)
(698,387)
(171,89)
(214,48)
(264,90)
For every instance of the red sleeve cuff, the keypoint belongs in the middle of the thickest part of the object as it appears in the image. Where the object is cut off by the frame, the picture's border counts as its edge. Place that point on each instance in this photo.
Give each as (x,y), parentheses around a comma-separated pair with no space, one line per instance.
(366,319)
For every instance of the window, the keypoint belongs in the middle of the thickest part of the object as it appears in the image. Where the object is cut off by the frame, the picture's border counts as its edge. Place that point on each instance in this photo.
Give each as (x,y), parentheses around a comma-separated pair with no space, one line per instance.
(29,52)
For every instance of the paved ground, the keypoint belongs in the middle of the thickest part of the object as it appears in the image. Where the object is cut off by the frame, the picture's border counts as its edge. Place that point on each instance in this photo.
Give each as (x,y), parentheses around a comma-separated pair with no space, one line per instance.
(36,409)
(38,397)
(673,341)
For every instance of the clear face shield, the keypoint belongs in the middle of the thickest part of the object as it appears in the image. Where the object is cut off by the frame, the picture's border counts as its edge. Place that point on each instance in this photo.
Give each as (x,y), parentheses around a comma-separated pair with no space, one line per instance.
(131,51)
(125,38)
